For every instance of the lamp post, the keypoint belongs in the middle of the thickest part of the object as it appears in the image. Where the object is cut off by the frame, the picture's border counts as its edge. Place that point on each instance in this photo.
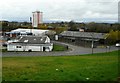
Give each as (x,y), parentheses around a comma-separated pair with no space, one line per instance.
(92,44)
(31,22)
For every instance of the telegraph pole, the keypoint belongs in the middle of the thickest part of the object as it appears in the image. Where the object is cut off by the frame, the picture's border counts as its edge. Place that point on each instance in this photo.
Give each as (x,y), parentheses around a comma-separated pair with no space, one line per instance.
(31,22)
(92,44)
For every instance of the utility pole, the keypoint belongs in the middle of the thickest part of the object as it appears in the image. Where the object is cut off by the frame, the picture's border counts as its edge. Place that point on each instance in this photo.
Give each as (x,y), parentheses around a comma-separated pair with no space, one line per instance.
(30,23)
(92,44)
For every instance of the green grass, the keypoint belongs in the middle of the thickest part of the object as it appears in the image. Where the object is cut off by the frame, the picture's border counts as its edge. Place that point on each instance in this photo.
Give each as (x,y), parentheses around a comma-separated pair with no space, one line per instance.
(57,47)
(0,69)
(97,67)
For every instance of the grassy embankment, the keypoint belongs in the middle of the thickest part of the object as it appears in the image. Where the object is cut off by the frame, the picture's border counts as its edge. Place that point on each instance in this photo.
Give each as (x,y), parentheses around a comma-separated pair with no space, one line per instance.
(96,67)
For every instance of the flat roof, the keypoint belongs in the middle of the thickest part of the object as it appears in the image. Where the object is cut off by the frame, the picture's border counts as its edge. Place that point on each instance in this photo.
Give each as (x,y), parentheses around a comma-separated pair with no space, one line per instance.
(19,30)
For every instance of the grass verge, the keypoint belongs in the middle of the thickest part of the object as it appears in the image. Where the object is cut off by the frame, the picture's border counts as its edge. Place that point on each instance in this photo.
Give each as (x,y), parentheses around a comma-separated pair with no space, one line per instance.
(96,67)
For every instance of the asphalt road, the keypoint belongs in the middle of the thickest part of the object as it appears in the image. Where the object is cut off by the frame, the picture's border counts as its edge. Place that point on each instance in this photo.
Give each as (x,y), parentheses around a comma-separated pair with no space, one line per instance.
(73,50)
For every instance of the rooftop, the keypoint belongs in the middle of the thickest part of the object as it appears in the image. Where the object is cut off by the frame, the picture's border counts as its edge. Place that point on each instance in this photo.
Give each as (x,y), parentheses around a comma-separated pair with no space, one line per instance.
(83,34)
(32,39)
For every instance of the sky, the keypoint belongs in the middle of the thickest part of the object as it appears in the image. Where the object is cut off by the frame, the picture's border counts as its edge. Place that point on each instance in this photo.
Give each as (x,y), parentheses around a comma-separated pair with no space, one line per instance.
(60,10)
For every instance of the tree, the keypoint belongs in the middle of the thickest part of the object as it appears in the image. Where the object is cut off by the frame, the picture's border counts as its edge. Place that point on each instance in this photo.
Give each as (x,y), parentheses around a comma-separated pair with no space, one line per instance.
(72,26)
(59,30)
(113,37)
(42,26)
(92,26)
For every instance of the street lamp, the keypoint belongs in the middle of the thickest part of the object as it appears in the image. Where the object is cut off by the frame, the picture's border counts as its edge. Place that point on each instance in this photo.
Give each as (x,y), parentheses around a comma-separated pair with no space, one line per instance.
(92,44)
(30,23)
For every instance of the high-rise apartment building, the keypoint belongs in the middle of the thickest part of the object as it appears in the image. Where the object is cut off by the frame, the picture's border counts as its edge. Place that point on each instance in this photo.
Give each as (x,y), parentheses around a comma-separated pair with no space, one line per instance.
(37,18)
(119,12)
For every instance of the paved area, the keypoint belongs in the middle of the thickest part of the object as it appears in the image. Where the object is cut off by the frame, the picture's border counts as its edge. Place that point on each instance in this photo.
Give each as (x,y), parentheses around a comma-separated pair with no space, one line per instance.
(73,50)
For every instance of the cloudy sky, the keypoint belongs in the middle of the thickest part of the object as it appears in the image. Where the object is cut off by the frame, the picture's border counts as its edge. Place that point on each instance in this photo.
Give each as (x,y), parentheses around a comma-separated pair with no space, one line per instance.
(60,10)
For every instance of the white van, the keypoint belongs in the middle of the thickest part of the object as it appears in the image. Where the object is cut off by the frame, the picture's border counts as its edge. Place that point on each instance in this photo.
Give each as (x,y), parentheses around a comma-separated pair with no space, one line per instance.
(117,45)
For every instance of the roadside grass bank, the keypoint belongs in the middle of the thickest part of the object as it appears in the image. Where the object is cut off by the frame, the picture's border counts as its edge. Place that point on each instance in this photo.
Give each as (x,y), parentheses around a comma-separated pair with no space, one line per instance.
(96,67)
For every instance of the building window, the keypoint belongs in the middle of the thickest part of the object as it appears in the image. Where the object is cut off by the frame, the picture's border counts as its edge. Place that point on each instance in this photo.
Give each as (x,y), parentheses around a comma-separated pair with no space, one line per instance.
(18,46)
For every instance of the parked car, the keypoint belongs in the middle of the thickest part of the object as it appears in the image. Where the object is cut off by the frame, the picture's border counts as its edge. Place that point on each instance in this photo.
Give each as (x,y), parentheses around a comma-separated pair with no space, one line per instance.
(117,45)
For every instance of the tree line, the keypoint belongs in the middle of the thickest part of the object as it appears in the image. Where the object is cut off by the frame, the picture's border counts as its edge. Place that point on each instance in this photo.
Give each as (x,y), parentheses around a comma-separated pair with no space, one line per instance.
(72,26)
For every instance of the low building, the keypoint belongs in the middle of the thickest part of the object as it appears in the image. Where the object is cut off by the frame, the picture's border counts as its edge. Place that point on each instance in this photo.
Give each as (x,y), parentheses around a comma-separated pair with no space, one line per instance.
(25,32)
(31,43)
(81,30)
(84,39)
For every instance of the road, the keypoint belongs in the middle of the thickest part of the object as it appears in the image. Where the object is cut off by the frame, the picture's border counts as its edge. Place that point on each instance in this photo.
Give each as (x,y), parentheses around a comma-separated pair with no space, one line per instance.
(73,50)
